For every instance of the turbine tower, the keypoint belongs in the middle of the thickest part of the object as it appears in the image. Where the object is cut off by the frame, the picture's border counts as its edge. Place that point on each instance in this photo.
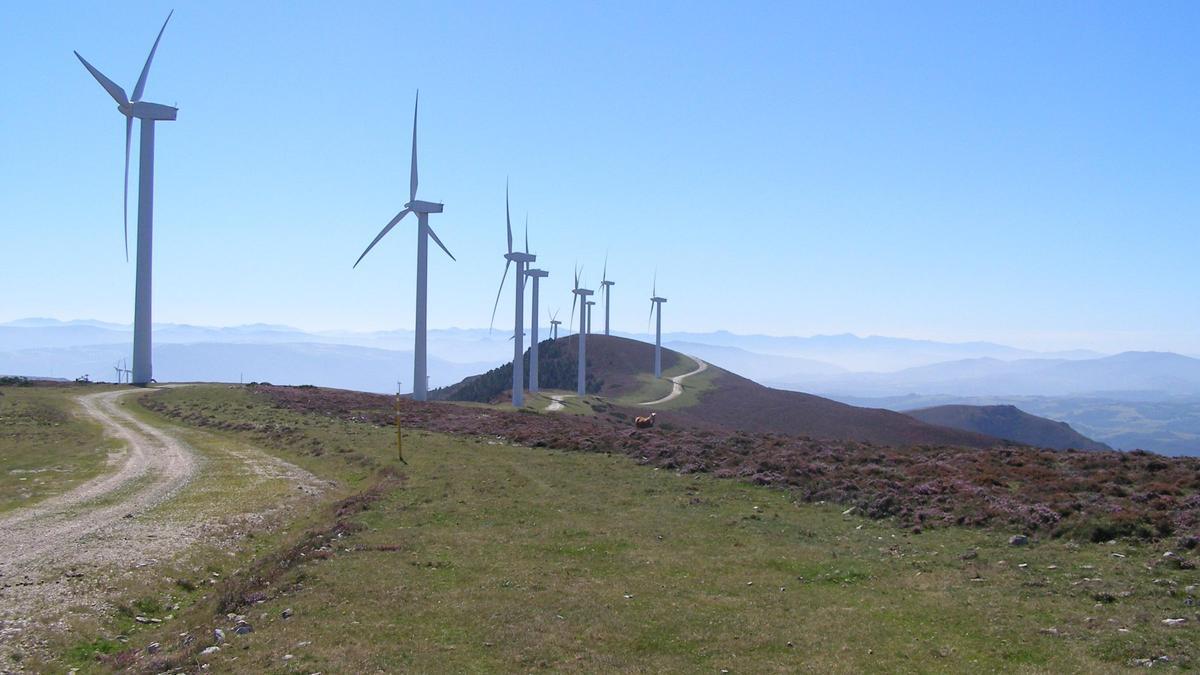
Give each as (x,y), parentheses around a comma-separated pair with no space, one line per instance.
(424,233)
(148,113)
(522,260)
(581,293)
(656,303)
(606,291)
(590,304)
(534,274)
(554,323)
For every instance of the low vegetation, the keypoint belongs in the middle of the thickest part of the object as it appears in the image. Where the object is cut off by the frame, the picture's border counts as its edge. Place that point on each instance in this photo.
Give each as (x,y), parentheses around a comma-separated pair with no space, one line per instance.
(486,555)
(46,446)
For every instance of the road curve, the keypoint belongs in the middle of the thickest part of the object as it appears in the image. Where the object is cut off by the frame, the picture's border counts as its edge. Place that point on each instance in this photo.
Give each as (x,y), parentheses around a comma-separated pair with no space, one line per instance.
(556,402)
(155,465)
(677,382)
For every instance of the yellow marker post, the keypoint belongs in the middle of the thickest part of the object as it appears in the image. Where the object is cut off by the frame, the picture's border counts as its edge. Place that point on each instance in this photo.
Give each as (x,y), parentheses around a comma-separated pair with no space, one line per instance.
(399,438)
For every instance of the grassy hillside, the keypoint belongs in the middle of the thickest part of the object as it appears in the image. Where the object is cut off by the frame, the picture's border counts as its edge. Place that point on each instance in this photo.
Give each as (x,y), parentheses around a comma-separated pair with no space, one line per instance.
(616,368)
(485,554)
(619,369)
(739,403)
(1008,422)
(46,446)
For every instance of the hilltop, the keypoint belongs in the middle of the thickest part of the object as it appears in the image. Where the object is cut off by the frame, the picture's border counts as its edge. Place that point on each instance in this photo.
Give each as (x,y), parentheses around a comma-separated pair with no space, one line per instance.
(618,370)
(1010,423)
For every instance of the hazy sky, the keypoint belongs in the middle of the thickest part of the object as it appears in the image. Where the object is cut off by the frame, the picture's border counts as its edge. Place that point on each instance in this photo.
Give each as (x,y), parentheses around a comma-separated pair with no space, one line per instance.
(1024,173)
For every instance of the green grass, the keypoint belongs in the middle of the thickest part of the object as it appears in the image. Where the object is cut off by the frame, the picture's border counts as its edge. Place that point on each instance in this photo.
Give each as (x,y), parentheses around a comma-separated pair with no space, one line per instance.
(653,388)
(47,446)
(492,557)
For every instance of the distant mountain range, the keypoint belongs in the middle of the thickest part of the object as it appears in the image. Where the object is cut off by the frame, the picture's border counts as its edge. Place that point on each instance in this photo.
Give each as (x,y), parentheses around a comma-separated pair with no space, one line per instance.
(1149,400)
(1010,423)
(1127,372)
(341,366)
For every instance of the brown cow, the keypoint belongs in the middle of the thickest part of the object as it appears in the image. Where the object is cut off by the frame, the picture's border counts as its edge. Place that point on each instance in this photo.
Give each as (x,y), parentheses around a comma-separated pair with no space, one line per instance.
(644,422)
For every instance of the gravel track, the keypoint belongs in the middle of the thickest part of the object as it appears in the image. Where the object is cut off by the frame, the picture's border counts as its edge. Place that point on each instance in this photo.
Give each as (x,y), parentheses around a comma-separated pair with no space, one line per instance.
(153,466)
(677,382)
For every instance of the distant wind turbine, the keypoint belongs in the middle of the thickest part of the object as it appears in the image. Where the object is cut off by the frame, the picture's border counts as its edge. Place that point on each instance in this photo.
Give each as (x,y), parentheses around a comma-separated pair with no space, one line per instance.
(536,275)
(554,323)
(581,292)
(148,113)
(656,303)
(522,260)
(590,304)
(606,289)
(424,232)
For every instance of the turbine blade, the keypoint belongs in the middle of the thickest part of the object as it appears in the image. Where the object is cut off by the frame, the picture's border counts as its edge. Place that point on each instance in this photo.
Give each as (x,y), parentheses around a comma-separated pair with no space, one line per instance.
(507,217)
(654,289)
(125,200)
(573,301)
(439,243)
(412,176)
(387,228)
(651,316)
(492,325)
(604,275)
(527,233)
(114,90)
(141,83)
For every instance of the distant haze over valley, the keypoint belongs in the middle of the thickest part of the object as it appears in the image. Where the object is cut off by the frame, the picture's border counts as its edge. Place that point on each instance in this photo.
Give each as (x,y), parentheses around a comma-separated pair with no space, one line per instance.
(1148,400)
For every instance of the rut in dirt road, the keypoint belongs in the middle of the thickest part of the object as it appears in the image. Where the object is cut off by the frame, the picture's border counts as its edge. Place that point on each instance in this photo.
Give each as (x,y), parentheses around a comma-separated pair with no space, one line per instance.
(154,466)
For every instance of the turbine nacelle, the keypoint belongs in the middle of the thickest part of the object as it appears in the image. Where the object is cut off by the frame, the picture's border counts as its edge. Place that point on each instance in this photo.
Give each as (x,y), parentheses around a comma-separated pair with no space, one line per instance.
(541,274)
(608,283)
(418,206)
(658,299)
(149,111)
(520,257)
(582,291)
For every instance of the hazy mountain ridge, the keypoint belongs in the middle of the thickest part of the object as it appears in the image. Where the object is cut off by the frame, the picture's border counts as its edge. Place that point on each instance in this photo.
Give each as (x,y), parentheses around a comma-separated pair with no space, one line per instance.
(1125,372)
(1010,423)
(341,366)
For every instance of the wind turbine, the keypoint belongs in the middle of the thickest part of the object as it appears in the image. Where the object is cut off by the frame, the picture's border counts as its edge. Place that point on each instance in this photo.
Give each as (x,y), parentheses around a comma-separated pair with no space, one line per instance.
(534,274)
(117,368)
(522,260)
(554,323)
(656,303)
(606,290)
(424,233)
(590,304)
(149,113)
(581,293)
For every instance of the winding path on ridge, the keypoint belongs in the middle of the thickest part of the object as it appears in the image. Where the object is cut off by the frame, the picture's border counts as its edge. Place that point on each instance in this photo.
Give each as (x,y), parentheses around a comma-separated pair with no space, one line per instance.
(677,382)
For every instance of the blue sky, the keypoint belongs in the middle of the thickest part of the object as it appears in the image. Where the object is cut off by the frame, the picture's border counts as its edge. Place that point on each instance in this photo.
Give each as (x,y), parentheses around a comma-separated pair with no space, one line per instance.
(1017,172)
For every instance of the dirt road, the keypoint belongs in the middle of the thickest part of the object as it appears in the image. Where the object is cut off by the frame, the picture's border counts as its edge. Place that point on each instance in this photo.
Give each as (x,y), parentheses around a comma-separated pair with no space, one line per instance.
(556,402)
(677,382)
(154,465)
(61,558)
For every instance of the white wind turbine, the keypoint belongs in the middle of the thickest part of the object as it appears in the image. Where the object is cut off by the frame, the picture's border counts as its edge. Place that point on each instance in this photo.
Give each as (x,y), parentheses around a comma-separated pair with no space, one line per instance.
(590,304)
(522,260)
(536,275)
(656,303)
(424,233)
(149,113)
(554,323)
(606,290)
(581,293)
